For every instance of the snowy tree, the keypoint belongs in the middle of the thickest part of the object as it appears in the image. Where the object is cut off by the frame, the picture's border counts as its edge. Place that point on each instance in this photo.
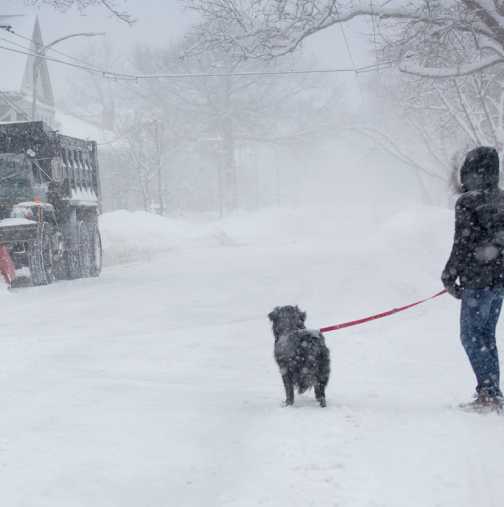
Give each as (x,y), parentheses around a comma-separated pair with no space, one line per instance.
(450,111)
(262,28)
(214,117)
(452,50)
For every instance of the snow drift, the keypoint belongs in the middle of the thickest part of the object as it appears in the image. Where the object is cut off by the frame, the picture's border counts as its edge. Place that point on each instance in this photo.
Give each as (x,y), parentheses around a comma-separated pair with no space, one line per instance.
(135,236)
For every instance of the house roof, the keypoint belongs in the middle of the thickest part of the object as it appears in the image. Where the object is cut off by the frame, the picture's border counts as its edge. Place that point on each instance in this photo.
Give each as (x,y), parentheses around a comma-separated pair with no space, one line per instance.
(73,126)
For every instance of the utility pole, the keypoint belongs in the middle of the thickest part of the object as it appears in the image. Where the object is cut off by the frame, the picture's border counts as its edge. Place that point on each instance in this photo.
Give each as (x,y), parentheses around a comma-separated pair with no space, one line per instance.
(39,56)
(158,131)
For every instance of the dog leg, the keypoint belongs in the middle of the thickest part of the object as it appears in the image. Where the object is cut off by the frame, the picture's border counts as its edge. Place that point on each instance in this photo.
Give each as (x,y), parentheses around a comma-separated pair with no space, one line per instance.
(320,394)
(289,390)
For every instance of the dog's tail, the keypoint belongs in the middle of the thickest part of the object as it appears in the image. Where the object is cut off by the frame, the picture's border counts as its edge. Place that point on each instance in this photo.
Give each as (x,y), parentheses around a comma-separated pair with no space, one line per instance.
(313,360)
(305,384)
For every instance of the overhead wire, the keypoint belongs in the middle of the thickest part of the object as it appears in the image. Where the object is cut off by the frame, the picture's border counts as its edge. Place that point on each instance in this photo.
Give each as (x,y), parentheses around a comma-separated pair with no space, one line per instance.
(54,50)
(375,42)
(352,60)
(87,66)
(135,77)
(15,44)
(56,60)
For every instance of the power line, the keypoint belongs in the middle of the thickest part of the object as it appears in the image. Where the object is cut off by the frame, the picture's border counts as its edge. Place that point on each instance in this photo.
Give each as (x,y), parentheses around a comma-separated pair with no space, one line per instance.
(63,62)
(15,44)
(136,77)
(375,40)
(347,46)
(352,60)
(86,66)
(54,50)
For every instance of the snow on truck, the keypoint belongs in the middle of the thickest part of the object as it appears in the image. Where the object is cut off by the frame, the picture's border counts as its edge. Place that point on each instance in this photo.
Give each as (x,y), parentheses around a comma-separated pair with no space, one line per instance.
(49,204)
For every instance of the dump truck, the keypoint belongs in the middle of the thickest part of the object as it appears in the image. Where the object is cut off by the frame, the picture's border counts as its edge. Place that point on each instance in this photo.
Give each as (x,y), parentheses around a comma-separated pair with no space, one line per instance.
(50,201)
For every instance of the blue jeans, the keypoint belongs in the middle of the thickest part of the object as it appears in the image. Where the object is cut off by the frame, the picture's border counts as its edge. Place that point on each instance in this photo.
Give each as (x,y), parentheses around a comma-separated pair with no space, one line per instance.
(478,319)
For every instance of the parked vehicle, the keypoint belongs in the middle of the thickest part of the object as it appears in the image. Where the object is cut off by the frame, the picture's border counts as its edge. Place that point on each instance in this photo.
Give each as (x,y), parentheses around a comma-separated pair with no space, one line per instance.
(50,200)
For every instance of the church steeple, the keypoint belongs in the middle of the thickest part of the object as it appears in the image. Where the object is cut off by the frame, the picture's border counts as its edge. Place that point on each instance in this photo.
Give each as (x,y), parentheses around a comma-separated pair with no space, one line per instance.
(44,88)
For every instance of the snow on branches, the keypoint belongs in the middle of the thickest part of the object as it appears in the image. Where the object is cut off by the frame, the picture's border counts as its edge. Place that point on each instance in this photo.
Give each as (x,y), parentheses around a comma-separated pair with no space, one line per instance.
(266,28)
(271,28)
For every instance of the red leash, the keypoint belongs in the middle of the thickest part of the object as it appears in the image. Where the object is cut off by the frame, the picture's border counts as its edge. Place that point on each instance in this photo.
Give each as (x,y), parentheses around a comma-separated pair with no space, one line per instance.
(378,315)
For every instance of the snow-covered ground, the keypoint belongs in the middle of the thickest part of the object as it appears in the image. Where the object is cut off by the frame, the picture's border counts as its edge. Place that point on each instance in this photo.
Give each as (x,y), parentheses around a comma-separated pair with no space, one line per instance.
(155,384)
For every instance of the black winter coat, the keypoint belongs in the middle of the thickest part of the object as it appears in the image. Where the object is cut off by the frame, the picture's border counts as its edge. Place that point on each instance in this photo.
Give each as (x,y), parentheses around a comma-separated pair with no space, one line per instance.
(477,256)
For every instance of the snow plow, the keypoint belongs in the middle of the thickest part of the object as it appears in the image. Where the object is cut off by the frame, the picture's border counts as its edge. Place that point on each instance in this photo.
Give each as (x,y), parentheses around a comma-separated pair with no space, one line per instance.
(49,204)
(7,268)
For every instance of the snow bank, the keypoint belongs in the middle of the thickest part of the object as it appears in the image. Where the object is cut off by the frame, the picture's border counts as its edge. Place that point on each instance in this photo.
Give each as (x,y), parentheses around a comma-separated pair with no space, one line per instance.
(320,223)
(134,236)
(139,236)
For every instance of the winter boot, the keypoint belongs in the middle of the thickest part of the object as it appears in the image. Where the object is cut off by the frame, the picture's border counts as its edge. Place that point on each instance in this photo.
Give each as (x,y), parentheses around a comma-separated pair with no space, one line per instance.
(485,403)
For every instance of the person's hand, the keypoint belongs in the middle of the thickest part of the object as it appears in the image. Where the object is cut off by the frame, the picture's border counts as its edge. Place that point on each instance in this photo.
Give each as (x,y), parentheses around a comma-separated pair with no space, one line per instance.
(449,278)
(455,290)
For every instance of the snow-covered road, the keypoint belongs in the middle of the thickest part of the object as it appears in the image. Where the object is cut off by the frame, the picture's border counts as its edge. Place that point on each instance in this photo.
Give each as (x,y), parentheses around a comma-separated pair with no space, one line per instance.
(155,384)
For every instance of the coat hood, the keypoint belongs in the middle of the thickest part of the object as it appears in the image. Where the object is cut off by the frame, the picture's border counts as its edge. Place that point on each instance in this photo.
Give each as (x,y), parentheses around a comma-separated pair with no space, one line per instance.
(480,170)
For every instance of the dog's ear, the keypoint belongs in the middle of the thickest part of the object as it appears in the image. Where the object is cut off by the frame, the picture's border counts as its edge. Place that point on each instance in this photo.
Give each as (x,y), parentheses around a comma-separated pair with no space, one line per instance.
(272,315)
(302,314)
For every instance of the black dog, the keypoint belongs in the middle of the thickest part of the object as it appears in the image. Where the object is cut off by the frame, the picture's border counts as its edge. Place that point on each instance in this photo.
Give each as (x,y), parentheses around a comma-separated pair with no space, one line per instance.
(301,354)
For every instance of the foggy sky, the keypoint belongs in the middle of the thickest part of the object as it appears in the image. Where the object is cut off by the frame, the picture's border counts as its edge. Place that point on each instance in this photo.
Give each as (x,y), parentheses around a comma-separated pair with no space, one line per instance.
(161,22)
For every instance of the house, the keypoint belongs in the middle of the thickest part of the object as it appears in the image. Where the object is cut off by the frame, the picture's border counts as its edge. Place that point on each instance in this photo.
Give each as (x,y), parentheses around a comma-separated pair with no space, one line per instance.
(16,91)
(16,101)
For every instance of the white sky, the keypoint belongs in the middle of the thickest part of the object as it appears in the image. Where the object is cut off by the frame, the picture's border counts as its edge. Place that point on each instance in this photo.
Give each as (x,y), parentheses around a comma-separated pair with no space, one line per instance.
(159,23)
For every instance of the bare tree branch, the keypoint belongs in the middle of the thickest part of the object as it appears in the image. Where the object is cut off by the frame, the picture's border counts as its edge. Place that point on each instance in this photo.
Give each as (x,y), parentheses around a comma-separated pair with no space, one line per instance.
(267,29)
(64,5)
(451,72)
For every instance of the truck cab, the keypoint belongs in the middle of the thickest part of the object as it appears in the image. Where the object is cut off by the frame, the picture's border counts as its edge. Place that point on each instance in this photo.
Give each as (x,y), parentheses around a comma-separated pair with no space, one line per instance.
(16,182)
(50,201)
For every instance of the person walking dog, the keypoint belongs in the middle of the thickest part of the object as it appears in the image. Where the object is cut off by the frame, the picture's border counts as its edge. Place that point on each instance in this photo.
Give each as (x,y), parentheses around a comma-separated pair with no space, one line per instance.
(474,272)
